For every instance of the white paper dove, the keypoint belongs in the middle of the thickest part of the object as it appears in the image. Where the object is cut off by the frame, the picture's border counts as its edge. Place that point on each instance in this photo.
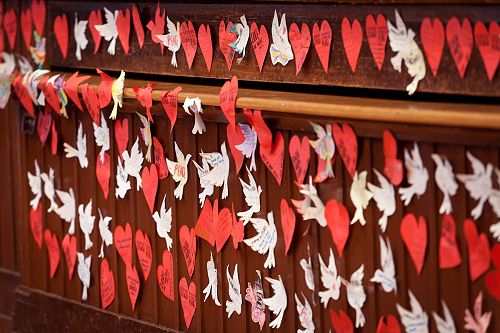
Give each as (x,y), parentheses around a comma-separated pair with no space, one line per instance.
(86,220)
(417,176)
(356,295)
(122,182)
(416,320)
(101,135)
(330,279)
(478,184)
(172,40)
(278,302)
(265,240)
(7,67)
(179,170)
(67,210)
(308,271)
(324,146)
(360,196)
(235,300)
(48,188)
(132,163)
(35,182)
(84,273)
(194,105)
(214,177)
(252,194)
(8,64)
(479,322)
(31,81)
(281,50)
(80,38)
(402,41)
(494,201)
(386,275)
(109,31)
(445,180)
(446,324)
(211,288)
(311,208)
(305,315)
(25,64)
(242,31)
(80,151)
(146,135)
(247,148)
(385,198)
(106,234)
(163,220)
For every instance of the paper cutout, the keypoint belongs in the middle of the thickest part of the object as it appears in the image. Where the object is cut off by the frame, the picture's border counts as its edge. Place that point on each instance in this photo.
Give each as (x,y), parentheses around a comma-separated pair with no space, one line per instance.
(278,302)
(205,41)
(103,173)
(91,101)
(187,239)
(238,231)
(416,174)
(254,295)
(80,38)
(352,37)
(415,237)
(227,99)
(53,139)
(217,176)
(260,43)
(248,146)
(194,105)
(146,135)
(67,210)
(432,37)
(68,245)
(478,248)
(449,255)
(341,322)
(157,27)
(300,39)
(107,284)
(415,320)
(53,250)
(386,275)
(242,31)
(122,182)
(224,228)
(252,194)
(26,27)
(35,183)
(106,235)
(7,67)
(281,50)
(265,240)
(48,188)
(121,135)
(360,197)
(402,41)
(71,88)
(492,278)
(23,96)
(211,288)
(172,40)
(36,216)
(116,92)
(161,164)
(347,144)
(139,30)
(165,275)
(50,95)
(337,219)
(305,315)
(234,304)
(356,295)
(494,201)
(188,300)
(133,284)
(325,149)
(144,252)
(150,185)
(487,44)
(169,102)
(101,135)
(287,223)
(188,41)
(61,33)
(235,137)
(479,322)
(123,28)
(43,125)
(84,273)
(226,38)
(80,151)
(10,27)
(460,41)
(206,226)
(95,19)
(38,7)
(38,52)
(376,34)
(322,38)
(445,180)
(143,95)
(105,90)
(311,208)
(179,171)
(108,31)
(132,163)
(393,168)
(86,220)
(61,95)
(123,243)
(308,271)
(163,220)
(446,324)
(299,155)
(384,197)
(390,325)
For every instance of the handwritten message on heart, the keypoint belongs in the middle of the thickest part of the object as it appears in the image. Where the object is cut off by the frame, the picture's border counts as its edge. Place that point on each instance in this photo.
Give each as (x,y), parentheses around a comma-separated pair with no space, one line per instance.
(205,41)
(95,18)
(449,255)
(36,216)
(347,145)
(223,229)
(161,164)
(61,33)
(322,38)
(376,33)
(300,39)
(144,252)
(68,245)
(123,243)
(338,221)
(478,248)
(103,173)
(104,89)
(432,37)
(169,102)
(150,185)
(206,226)
(23,96)
(53,250)
(43,125)
(91,102)
(225,38)
(165,275)
(414,236)
(107,284)
(300,153)
(352,37)
(227,99)
(260,43)
(188,41)
(287,223)
(187,239)
(133,284)
(488,43)
(188,300)
(460,42)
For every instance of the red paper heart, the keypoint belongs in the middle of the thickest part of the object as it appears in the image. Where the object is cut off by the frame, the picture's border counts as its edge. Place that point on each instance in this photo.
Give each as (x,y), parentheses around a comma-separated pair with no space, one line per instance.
(139,30)
(495,255)
(133,284)
(223,229)
(36,216)
(104,89)
(235,137)
(188,300)
(68,245)
(71,88)
(38,7)
(300,41)
(23,96)
(414,236)
(10,27)
(51,98)
(432,36)
(53,251)
(169,102)
(238,231)
(103,173)
(121,135)
(206,226)
(150,185)
(91,101)
(338,221)
(107,284)
(492,279)
(145,97)
(205,40)
(61,33)
(157,27)
(165,275)
(488,44)
(322,38)
(449,255)
(26,27)
(287,223)
(352,37)
(123,28)
(300,153)
(226,38)
(391,325)
(53,139)
(260,43)
(43,125)
(376,33)
(341,322)
(393,166)
(460,42)
(479,250)
(144,252)
(123,243)
(160,162)
(188,41)
(347,145)
(187,238)
(95,18)
(227,99)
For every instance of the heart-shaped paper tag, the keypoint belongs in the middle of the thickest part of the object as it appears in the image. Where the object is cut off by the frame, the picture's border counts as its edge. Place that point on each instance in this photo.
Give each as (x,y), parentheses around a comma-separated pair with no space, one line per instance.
(36,216)
(205,41)
(393,166)
(95,18)
(227,99)
(338,221)
(23,96)
(68,245)
(144,252)
(347,145)
(103,173)
(478,248)
(287,223)
(169,102)
(104,89)
(123,243)
(43,125)
(188,41)
(488,44)
(71,88)
(123,28)
(91,101)
(225,38)
(53,251)
(107,284)
(38,7)
(449,255)
(160,162)
(133,284)
(300,41)
(61,33)
(352,37)
(188,299)
(414,236)
(187,239)
(322,38)
(300,153)
(390,325)
(165,275)
(121,135)
(10,27)
(376,33)
(224,228)
(150,185)
(26,27)
(460,42)
(139,30)
(432,36)
(260,43)
(341,322)
(492,279)
(206,225)
(235,137)
(53,139)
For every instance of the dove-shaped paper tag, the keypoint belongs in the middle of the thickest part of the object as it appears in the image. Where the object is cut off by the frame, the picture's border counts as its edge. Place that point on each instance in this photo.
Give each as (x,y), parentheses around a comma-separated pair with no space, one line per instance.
(479,321)
(415,320)
(235,301)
